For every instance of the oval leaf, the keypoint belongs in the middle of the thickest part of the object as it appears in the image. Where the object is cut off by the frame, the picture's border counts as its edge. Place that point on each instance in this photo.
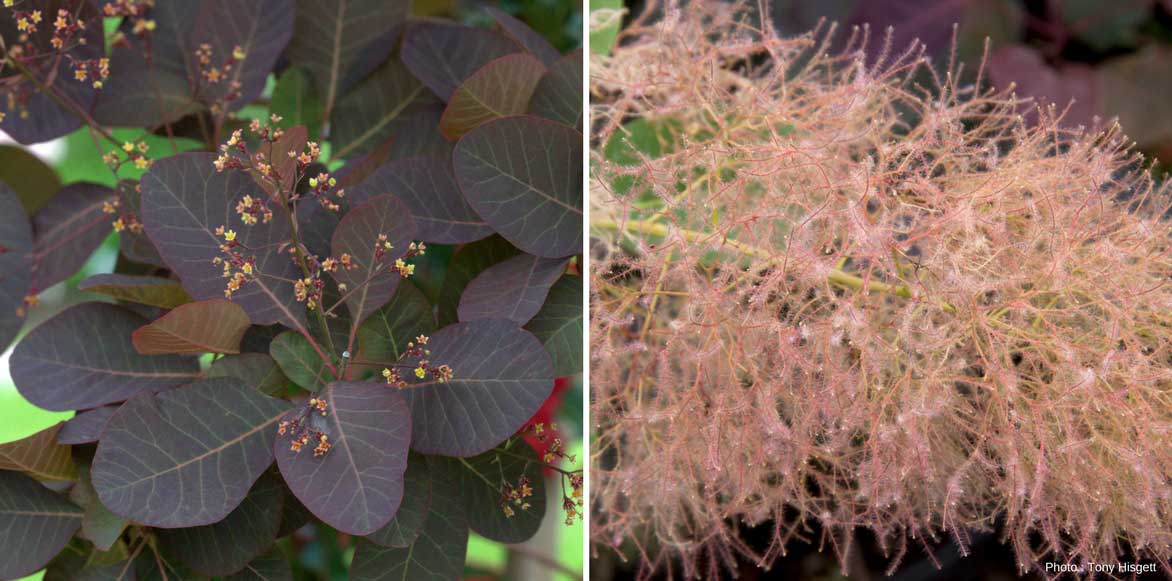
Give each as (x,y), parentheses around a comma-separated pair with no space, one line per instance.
(31,179)
(184,201)
(408,521)
(468,262)
(83,358)
(339,41)
(35,524)
(514,289)
(229,545)
(502,376)
(296,101)
(443,55)
(500,88)
(271,566)
(209,442)
(98,525)
(39,456)
(146,290)
(86,427)
(214,326)
(67,230)
(257,370)
(558,95)
(16,240)
(372,282)
(429,189)
(299,361)
(437,553)
(356,486)
(558,325)
(368,115)
(523,175)
(524,36)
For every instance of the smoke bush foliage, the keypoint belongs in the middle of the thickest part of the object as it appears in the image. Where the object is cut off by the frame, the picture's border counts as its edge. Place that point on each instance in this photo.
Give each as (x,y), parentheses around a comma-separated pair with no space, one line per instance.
(851,290)
(342,313)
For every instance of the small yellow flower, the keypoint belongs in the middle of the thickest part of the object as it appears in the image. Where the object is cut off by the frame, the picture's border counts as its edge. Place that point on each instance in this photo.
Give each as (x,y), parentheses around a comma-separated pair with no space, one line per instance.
(8,3)
(238,53)
(127,146)
(142,162)
(420,372)
(230,235)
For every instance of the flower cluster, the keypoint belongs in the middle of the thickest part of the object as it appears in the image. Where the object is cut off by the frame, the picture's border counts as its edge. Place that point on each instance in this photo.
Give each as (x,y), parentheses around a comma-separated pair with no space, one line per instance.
(422,368)
(135,152)
(127,221)
(213,74)
(515,495)
(874,302)
(252,209)
(134,12)
(555,452)
(302,431)
(238,268)
(68,33)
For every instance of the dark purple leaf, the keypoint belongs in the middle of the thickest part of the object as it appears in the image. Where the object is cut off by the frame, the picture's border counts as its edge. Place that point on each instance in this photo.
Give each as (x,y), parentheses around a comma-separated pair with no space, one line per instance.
(558,96)
(299,361)
(442,56)
(500,88)
(373,281)
(155,291)
(468,262)
(208,443)
(67,230)
(86,427)
(257,370)
(558,325)
(384,336)
(16,242)
(137,94)
(31,179)
(436,554)
(83,358)
(416,132)
(40,456)
(1105,25)
(212,326)
(184,200)
(35,524)
(365,116)
(341,41)
(271,566)
(482,479)
(502,376)
(163,88)
(357,486)
(524,36)
(98,525)
(523,175)
(427,187)
(514,289)
(258,338)
(408,521)
(229,545)
(42,118)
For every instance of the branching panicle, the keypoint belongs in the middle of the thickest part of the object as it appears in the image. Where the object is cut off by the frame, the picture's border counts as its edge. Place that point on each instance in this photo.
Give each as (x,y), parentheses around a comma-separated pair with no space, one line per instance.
(826,293)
